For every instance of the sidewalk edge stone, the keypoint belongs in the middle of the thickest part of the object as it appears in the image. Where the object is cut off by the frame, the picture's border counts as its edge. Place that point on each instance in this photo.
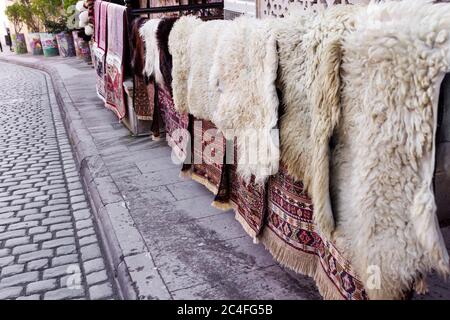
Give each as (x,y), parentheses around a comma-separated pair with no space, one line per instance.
(92,167)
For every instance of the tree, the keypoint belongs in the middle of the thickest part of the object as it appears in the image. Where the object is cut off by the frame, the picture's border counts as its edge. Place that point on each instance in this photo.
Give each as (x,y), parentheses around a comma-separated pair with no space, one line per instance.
(14,13)
(51,13)
(29,17)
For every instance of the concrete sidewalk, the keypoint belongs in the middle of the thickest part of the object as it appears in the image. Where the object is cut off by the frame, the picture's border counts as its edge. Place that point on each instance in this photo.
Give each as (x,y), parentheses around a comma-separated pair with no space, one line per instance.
(161,235)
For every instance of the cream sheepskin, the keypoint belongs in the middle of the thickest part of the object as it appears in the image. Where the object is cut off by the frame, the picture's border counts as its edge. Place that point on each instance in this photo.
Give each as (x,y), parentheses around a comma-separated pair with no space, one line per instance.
(309,78)
(383,161)
(148,33)
(179,48)
(243,77)
(201,101)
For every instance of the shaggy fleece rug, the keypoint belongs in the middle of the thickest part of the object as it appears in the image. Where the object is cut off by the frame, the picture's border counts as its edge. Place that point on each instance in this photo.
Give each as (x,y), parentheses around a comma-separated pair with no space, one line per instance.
(243,78)
(201,101)
(165,58)
(151,67)
(179,48)
(309,79)
(384,157)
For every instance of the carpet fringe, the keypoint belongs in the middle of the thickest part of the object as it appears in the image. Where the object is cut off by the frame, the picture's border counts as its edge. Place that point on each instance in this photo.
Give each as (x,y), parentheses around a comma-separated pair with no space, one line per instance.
(205,182)
(304,263)
(185,174)
(244,224)
(224,206)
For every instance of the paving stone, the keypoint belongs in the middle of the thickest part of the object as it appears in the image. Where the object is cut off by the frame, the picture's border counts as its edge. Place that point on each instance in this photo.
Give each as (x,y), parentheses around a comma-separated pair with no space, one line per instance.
(59,213)
(93,265)
(22,225)
(26,257)
(42,237)
(59,196)
(26,212)
(5,251)
(34,217)
(37,264)
(67,259)
(79,205)
(31,297)
(65,233)
(101,291)
(35,204)
(55,191)
(59,270)
(41,196)
(64,293)
(97,277)
(89,252)
(55,207)
(88,240)
(66,250)
(61,226)
(76,199)
(20,201)
(56,220)
(86,232)
(11,270)
(9,221)
(17,241)
(10,292)
(39,286)
(76,192)
(44,197)
(83,224)
(21,278)
(58,242)
(6,215)
(24,248)
(81,214)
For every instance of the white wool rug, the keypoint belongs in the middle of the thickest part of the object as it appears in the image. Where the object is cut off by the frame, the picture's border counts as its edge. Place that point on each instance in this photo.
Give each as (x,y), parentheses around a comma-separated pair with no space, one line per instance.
(179,49)
(148,33)
(243,77)
(383,162)
(309,48)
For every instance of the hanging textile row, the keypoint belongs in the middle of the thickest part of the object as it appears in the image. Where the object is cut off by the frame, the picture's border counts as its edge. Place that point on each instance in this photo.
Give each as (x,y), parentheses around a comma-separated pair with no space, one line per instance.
(329,118)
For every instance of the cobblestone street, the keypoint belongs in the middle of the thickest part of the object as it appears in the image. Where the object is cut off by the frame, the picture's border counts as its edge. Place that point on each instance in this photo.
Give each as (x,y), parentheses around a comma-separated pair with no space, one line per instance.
(49,248)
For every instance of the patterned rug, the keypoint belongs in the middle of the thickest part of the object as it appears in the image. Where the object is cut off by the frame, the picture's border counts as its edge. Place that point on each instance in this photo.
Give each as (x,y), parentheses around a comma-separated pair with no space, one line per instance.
(290,235)
(175,125)
(208,160)
(115,98)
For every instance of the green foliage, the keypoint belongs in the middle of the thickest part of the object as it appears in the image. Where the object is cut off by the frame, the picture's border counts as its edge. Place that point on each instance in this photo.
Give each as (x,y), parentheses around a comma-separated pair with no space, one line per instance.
(56,26)
(28,16)
(68,3)
(50,14)
(14,13)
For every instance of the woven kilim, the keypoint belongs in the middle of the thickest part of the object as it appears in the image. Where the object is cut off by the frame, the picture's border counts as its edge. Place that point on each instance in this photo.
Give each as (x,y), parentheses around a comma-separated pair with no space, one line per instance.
(290,235)
(208,166)
(144,99)
(175,124)
(115,98)
(247,199)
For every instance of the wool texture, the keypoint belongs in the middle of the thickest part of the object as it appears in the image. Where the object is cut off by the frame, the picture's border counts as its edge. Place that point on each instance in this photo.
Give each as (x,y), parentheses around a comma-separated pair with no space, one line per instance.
(243,77)
(309,48)
(148,33)
(137,47)
(383,160)
(201,102)
(165,58)
(178,48)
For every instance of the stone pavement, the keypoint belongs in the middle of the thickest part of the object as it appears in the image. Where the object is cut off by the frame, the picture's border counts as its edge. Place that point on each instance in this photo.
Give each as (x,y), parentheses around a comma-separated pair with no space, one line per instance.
(48,243)
(164,240)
